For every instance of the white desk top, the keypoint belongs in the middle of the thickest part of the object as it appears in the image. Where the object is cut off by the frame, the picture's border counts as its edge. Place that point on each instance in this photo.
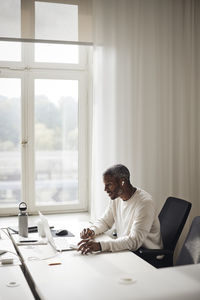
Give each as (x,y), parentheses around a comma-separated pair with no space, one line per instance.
(100,276)
(6,244)
(13,284)
(77,271)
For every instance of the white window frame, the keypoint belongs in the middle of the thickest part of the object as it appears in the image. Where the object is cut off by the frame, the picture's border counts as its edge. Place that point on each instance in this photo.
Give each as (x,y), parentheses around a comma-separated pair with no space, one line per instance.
(82,146)
(6,73)
(28,70)
(27,134)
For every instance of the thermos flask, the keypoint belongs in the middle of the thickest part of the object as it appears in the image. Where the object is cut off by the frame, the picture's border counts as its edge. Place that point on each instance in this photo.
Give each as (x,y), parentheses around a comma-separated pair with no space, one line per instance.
(23,220)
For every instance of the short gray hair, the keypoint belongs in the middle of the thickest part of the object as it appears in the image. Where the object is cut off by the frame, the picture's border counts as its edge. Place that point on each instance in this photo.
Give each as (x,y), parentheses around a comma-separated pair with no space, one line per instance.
(118,171)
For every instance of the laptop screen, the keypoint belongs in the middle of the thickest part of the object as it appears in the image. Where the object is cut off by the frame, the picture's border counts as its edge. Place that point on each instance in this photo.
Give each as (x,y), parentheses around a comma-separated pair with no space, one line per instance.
(47,230)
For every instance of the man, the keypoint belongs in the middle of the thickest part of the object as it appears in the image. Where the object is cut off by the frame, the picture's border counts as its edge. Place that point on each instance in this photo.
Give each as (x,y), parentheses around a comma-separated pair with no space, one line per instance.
(133,212)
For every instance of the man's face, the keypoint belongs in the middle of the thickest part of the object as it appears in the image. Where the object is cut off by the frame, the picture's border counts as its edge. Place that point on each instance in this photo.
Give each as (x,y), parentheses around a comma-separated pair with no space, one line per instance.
(112,186)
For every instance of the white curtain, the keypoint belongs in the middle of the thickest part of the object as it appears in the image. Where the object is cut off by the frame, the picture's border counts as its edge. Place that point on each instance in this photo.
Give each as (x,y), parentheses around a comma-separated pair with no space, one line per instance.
(146,97)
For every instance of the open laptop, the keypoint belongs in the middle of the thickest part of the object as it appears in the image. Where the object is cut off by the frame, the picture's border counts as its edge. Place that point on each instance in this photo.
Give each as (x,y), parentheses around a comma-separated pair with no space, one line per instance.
(59,243)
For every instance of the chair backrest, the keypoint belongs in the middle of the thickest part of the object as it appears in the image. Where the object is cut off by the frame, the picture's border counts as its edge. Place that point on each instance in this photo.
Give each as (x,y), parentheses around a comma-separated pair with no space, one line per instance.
(190,251)
(172,218)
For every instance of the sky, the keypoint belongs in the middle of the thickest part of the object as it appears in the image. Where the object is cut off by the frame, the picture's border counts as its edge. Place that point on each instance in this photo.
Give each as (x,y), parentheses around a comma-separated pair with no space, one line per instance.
(52,88)
(10,87)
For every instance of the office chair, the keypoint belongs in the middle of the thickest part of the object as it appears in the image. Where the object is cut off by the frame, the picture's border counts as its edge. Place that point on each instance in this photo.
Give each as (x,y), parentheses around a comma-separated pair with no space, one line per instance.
(190,251)
(172,218)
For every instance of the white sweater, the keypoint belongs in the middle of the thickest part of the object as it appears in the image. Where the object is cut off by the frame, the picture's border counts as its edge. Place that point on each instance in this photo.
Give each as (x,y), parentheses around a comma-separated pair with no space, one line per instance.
(136,223)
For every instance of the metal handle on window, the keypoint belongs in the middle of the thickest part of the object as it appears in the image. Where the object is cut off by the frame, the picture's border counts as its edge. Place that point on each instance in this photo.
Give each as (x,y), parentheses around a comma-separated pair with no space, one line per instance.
(24,143)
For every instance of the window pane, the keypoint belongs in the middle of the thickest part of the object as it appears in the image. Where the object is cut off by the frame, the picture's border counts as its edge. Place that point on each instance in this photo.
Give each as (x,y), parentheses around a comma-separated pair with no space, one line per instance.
(10,153)
(56,21)
(10,26)
(63,27)
(10,51)
(57,53)
(56,141)
(10,18)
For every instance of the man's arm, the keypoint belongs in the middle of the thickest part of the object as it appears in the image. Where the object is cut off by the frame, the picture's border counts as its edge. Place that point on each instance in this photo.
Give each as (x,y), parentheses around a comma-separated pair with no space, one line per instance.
(87,245)
(141,227)
(105,222)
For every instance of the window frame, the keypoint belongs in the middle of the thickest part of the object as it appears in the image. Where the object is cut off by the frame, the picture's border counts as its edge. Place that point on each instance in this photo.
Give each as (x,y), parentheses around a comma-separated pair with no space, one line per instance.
(82,140)
(27,77)
(28,70)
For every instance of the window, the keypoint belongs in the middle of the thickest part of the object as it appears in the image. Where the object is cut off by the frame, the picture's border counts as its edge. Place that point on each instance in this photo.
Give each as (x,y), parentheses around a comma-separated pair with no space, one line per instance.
(43,113)
(64,27)
(56,140)
(10,136)
(10,25)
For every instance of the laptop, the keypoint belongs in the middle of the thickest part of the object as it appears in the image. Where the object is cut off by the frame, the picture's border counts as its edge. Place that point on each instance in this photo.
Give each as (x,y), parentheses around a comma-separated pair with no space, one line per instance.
(59,243)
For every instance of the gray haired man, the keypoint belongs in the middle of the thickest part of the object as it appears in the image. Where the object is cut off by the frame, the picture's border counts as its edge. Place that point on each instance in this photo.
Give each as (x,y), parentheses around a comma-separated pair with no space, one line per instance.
(133,212)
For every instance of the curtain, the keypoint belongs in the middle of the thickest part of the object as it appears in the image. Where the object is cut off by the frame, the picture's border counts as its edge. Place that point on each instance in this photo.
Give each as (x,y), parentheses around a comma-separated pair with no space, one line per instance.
(146,97)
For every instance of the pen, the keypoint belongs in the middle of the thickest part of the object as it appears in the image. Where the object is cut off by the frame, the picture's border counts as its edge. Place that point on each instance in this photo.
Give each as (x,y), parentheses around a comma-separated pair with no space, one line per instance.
(28,241)
(54,264)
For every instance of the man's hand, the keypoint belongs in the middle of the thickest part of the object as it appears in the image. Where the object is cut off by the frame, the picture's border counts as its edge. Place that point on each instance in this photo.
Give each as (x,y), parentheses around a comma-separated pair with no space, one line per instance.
(87,233)
(88,246)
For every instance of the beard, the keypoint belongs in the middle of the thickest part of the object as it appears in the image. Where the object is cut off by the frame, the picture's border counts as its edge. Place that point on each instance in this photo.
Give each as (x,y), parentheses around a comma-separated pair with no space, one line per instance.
(120,192)
(116,194)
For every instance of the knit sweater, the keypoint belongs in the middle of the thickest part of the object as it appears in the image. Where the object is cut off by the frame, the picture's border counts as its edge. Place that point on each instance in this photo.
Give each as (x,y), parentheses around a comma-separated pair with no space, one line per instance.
(136,222)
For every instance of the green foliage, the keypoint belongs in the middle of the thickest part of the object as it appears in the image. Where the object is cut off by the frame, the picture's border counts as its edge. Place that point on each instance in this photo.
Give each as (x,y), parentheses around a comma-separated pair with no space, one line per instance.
(56,124)
(10,122)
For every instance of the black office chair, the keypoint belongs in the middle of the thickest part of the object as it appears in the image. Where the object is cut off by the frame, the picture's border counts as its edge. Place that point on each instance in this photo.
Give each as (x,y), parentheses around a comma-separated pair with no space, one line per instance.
(172,218)
(190,251)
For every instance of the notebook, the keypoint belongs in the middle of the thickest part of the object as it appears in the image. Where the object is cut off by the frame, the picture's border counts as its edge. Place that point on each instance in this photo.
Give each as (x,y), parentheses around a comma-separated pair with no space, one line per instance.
(59,243)
(30,229)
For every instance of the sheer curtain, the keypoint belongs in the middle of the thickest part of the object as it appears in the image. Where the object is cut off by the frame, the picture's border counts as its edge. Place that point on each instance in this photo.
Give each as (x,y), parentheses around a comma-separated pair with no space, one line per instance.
(146,97)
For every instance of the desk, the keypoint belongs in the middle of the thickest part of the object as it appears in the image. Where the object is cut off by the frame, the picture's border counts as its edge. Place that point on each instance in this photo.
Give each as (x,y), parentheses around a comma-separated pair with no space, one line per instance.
(20,290)
(97,271)
(174,284)
(103,274)
(75,270)
(100,276)
(6,244)
(13,284)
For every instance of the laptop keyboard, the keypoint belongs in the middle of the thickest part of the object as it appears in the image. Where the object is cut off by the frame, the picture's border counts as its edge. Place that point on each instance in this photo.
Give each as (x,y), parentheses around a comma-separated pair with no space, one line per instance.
(63,243)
